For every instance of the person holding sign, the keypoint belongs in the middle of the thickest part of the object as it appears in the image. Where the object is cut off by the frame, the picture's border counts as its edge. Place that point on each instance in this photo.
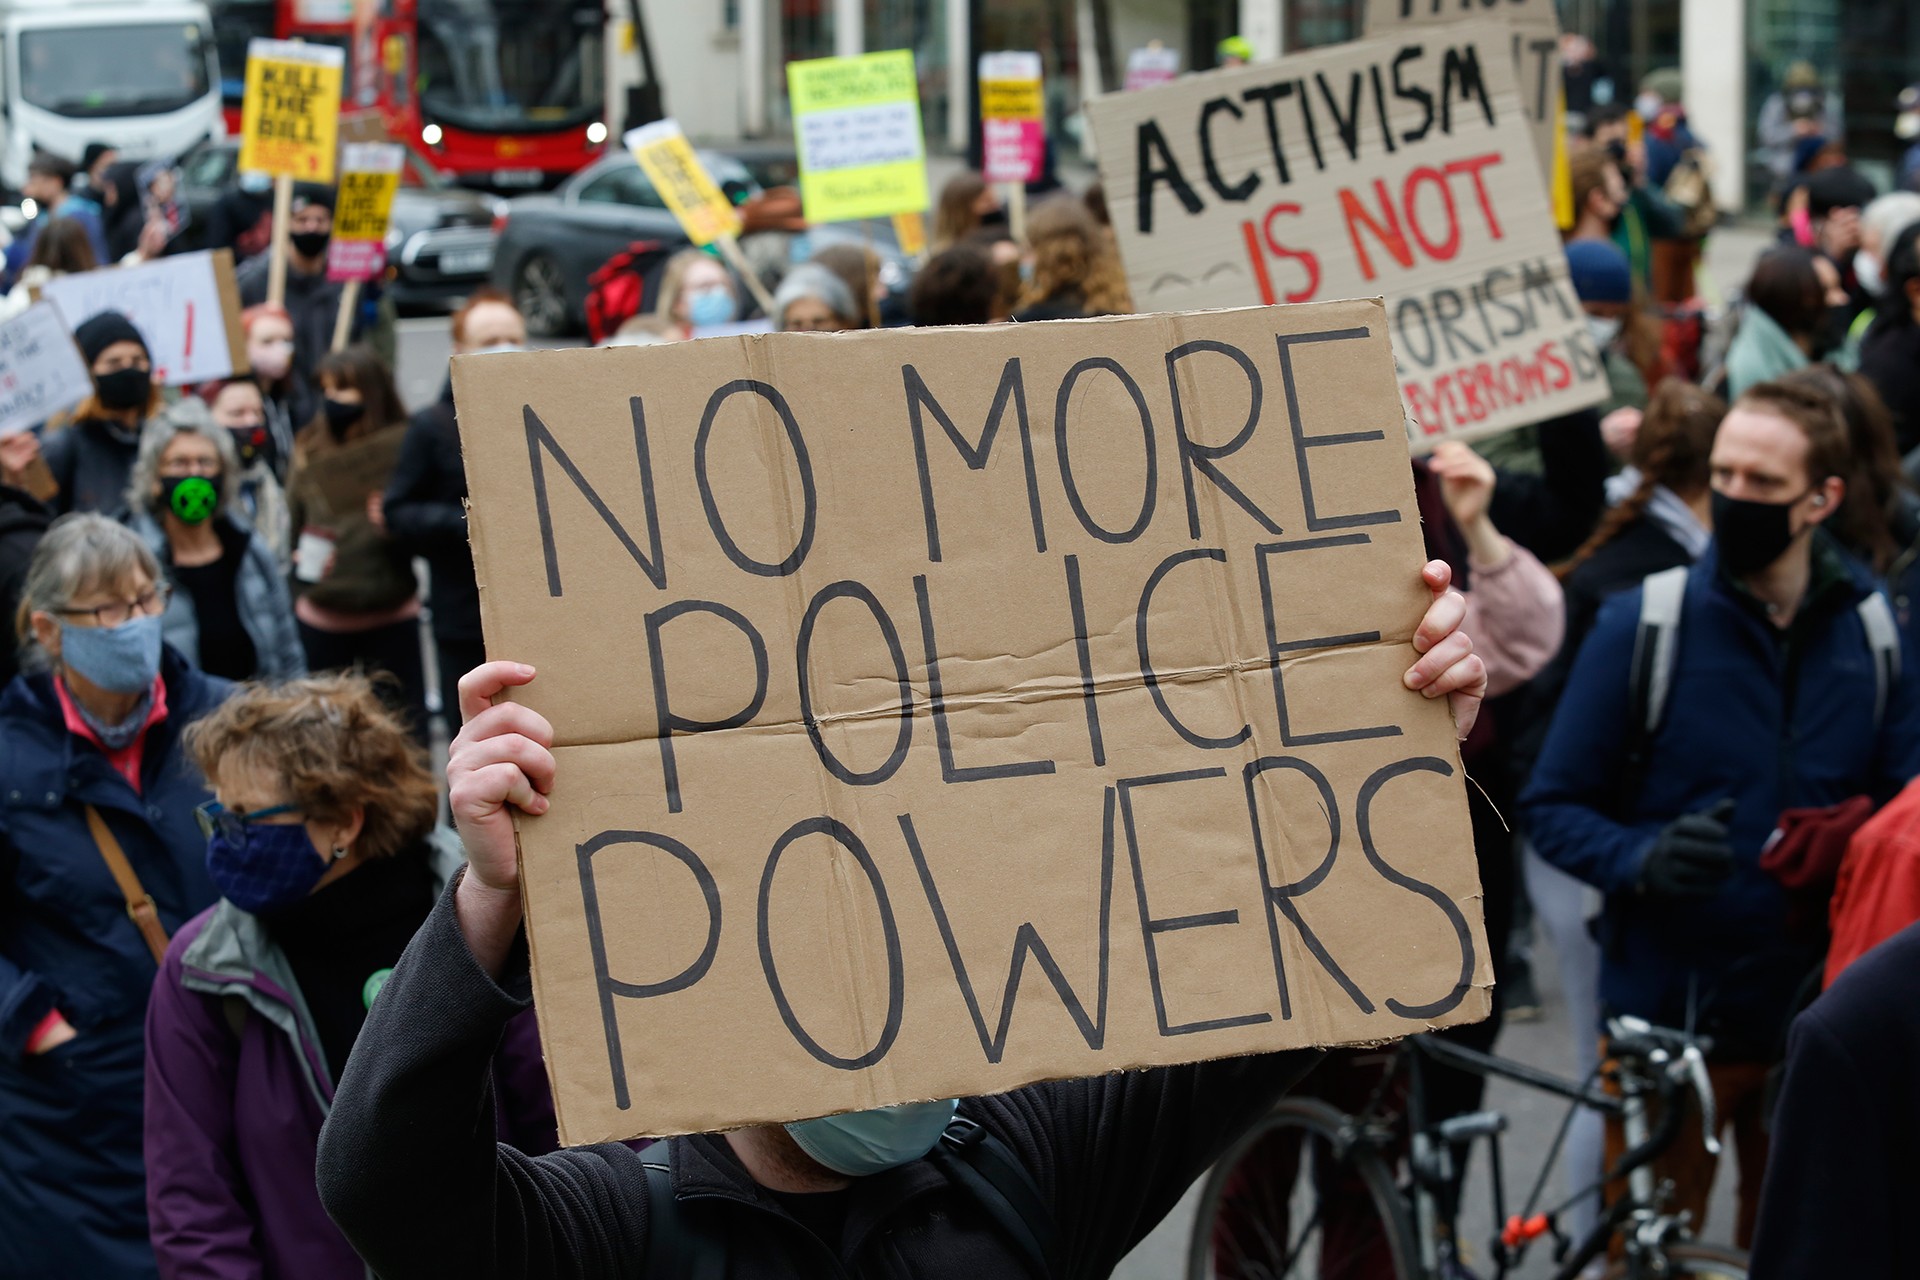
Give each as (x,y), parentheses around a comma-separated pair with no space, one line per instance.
(322,842)
(92,456)
(229,613)
(1079,1170)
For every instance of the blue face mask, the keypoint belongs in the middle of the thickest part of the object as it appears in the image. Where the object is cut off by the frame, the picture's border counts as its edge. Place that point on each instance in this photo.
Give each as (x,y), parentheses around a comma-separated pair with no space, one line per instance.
(122,659)
(269,866)
(709,308)
(866,1142)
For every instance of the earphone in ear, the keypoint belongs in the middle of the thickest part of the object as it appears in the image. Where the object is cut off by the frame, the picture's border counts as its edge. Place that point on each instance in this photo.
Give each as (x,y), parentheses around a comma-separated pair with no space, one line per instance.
(1819,499)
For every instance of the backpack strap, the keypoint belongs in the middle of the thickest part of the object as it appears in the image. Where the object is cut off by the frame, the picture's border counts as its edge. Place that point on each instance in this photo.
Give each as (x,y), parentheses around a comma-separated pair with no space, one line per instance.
(1883,639)
(1656,649)
(982,1164)
(675,1249)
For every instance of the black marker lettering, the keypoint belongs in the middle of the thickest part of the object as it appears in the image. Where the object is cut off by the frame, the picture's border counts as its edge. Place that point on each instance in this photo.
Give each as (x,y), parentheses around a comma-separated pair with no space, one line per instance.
(1201,457)
(937,698)
(1152,677)
(1061,404)
(1280,897)
(665,721)
(1363,814)
(540,440)
(1012,390)
(746,563)
(1247,184)
(803,651)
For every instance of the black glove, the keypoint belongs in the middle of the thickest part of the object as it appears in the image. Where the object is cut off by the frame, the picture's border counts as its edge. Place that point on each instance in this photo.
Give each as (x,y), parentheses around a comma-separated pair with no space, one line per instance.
(1691,858)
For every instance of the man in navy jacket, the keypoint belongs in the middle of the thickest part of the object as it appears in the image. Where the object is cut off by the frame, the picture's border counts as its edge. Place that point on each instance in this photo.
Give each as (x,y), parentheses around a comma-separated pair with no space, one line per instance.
(1774,704)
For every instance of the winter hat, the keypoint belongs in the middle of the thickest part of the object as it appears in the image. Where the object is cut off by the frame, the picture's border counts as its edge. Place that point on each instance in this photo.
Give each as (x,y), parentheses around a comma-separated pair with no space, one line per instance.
(102,331)
(1600,272)
(810,280)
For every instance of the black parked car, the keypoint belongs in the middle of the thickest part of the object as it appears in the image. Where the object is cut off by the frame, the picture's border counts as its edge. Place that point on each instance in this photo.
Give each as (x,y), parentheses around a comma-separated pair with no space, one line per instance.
(551,243)
(440,237)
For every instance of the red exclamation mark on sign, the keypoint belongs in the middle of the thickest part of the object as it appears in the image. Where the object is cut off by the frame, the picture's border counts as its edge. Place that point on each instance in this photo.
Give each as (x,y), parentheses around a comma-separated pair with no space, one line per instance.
(1260,276)
(186,355)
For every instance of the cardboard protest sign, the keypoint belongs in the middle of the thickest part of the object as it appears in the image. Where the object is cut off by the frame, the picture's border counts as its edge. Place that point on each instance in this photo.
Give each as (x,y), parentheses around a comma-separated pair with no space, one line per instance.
(187,308)
(1151,66)
(369,175)
(1013,114)
(1535,37)
(704,211)
(856,122)
(41,371)
(1401,168)
(939,711)
(290,115)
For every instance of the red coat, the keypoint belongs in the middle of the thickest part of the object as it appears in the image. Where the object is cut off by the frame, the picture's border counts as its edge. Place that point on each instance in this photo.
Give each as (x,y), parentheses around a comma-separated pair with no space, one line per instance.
(1878,893)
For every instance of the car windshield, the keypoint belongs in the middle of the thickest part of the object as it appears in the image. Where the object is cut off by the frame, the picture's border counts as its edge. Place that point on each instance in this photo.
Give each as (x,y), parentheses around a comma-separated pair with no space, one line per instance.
(511,65)
(236,23)
(123,70)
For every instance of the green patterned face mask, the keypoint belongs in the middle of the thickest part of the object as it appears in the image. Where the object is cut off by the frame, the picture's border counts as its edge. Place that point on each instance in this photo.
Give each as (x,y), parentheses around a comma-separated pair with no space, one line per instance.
(193,499)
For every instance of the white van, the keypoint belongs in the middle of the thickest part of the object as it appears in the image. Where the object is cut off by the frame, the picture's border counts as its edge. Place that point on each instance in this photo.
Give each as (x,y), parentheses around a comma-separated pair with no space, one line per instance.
(141,76)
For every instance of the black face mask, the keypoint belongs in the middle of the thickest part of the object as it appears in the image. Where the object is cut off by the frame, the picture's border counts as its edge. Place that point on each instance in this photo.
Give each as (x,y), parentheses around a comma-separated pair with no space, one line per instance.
(124,388)
(341,415)
(249,443)
(994,218)
(1751,535)
(310,244)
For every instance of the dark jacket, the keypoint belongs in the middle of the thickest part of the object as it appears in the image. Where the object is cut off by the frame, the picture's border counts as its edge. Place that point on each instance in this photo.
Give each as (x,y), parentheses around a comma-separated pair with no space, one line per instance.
(371,571)
(92,459)
(314,301)
(1890,360)
(1772,723)
(266,609)
(232,1120)
(425,515)
(22,521)
(1553,512)
(409,1169)
(74,1202)
(1841,1178)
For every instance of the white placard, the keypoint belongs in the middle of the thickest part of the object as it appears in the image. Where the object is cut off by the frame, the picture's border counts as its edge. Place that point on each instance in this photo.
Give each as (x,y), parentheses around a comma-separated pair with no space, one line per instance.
(41,372)
(173,302)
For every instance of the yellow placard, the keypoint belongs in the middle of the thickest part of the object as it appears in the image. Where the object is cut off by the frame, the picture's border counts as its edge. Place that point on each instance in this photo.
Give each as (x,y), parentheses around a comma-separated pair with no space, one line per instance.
(910,229)
(704,211)
(1011,100)
(369,175)
(856,122)
(289,119)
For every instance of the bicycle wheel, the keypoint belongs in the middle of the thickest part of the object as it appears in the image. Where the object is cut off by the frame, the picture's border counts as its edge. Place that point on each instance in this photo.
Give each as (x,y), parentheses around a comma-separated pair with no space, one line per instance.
(1697,1262)
(1296,1199)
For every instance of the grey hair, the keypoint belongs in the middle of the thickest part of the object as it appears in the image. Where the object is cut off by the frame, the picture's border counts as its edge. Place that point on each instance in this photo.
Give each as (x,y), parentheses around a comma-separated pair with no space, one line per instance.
(1888,215)
(190,417)
(811,280)
(81,552)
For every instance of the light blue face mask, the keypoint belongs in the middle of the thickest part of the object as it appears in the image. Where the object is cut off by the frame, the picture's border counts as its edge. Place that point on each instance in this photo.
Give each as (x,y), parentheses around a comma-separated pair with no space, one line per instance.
(122,659)
(710,307)
(865,1142)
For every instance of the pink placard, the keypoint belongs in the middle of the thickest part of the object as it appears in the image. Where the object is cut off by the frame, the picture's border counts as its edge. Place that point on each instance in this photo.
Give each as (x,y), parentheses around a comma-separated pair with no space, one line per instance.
(1015,150)
(356,259)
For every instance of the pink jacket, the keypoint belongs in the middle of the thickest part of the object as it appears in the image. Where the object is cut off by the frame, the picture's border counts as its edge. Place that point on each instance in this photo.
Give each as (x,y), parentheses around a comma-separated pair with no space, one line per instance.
(1516,618)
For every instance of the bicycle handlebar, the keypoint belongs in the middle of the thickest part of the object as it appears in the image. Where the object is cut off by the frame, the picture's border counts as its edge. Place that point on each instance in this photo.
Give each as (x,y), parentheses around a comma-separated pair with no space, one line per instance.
(1674,1058)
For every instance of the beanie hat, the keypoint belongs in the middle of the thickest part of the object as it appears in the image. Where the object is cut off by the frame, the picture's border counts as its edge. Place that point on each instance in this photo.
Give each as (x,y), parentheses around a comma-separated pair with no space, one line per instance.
(811,280)
(1599,270)
(102,331)
(1664,81)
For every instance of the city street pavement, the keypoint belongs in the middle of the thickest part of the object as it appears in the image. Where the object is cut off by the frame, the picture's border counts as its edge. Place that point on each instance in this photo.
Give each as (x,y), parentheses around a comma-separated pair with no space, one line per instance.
(423,347)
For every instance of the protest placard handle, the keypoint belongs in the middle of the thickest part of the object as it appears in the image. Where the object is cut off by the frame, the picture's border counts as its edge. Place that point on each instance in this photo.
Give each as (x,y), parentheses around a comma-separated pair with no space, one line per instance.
(730,250)
(1017,212)
(869,307)
(343,319)
(277,264)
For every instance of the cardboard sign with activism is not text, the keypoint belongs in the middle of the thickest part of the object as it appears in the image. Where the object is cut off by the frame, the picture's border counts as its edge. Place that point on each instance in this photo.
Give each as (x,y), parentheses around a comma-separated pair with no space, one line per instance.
(940,711)
(186,307)
(1399,167)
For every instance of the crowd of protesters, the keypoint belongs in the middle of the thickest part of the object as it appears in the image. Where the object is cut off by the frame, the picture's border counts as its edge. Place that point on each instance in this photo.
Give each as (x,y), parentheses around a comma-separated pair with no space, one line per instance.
(1692,610)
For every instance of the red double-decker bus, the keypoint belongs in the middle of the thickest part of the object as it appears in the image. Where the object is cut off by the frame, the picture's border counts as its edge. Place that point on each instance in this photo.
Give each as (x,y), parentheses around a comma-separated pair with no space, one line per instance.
(500,94)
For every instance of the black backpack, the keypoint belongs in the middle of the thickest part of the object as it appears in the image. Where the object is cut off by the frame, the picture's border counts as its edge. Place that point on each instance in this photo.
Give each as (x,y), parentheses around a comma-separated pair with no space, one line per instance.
(680,1247)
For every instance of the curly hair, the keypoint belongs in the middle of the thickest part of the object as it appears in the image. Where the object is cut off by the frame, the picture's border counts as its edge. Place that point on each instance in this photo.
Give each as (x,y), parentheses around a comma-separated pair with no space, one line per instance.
(1671,449)
(1073,254)
(334,747)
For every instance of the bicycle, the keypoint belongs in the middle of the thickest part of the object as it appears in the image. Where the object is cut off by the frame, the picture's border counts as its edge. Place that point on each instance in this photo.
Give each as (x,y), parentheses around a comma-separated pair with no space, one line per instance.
(1313,1191)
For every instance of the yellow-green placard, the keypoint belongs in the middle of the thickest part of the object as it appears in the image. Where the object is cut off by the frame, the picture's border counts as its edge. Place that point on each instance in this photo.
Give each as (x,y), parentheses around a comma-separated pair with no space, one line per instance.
(704,211)
(856,123)
(289,120)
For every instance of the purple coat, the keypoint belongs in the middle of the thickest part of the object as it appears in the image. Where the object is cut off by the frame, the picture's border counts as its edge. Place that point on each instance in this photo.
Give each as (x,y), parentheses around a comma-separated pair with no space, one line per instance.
(233,1120)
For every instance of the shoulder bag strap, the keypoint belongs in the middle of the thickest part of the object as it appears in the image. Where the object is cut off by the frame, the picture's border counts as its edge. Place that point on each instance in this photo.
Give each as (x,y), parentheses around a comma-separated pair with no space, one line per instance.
(140,908)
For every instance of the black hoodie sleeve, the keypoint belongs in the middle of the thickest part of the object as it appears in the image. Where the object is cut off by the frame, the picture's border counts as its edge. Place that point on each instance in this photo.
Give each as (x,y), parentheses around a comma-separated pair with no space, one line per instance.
(420,516)
(1552,513)
(408,1165)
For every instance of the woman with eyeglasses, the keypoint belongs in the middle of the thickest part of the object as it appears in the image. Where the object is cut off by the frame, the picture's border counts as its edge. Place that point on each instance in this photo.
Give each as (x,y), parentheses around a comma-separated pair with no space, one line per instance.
(322,843)
(230,614)
(100,859)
